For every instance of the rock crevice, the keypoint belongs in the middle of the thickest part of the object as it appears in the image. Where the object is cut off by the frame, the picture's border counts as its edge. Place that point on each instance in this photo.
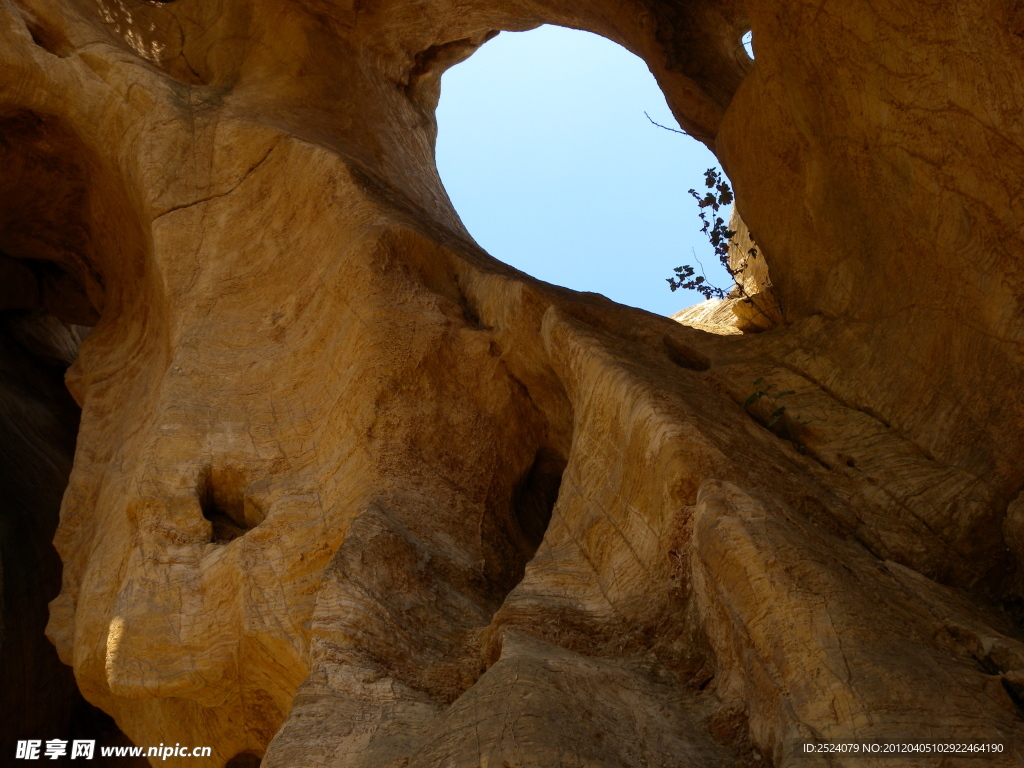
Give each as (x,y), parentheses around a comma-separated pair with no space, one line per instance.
(349,492)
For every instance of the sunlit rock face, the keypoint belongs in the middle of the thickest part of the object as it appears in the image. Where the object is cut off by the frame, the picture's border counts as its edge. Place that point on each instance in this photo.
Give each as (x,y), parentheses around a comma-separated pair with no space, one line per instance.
(349,492)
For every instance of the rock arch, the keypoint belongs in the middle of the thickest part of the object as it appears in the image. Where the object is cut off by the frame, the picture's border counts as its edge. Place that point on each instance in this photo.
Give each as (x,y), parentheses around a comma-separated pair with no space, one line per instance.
(298,306)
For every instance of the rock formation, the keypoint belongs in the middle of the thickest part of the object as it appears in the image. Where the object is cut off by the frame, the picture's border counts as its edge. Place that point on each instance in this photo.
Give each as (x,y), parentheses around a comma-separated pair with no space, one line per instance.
(752,304)
(349,492)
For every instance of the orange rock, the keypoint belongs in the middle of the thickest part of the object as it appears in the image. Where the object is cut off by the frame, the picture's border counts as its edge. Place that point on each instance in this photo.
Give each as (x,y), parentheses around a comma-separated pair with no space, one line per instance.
(349,492)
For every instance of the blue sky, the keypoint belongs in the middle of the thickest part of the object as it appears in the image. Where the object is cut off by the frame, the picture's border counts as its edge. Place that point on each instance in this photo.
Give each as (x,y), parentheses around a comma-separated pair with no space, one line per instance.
(545,151)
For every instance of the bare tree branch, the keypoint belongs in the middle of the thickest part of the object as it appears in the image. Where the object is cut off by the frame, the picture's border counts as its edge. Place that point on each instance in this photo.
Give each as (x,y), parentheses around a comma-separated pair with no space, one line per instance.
(665,126)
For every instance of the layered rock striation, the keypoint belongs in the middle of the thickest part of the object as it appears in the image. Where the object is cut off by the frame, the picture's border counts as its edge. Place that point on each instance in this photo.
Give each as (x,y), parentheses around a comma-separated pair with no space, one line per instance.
(349,492)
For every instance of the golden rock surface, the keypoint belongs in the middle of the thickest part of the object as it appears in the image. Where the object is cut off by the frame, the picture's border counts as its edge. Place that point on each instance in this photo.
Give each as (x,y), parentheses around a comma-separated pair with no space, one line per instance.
(348,492)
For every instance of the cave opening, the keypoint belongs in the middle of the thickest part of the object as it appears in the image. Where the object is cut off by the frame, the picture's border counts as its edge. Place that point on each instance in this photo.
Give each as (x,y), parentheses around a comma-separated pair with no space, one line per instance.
(547,155)
(49,293)
(222,498)
(536,495)
(244,760)
(747,41)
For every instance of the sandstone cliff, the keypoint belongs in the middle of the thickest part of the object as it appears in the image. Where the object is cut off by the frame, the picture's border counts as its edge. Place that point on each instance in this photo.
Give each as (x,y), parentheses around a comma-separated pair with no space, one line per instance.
(349,492)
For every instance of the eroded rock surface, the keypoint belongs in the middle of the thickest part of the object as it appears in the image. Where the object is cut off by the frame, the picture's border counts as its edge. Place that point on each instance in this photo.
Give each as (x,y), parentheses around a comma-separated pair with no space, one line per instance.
(349,492)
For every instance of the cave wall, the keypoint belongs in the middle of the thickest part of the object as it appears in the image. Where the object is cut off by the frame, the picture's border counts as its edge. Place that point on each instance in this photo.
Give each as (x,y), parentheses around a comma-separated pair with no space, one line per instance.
(890,139)
(349,492)
(38,421)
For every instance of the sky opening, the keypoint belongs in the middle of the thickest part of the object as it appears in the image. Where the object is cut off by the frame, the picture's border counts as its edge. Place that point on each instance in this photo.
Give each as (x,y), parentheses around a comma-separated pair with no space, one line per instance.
(545,151)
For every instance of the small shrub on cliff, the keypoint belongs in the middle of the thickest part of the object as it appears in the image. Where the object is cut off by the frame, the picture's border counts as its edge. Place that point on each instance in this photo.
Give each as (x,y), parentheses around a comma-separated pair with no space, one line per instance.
(709,203)
(779,420)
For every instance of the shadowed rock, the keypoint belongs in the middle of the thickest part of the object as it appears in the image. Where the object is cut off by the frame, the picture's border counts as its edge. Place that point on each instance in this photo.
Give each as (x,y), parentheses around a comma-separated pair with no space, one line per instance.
(349,492)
